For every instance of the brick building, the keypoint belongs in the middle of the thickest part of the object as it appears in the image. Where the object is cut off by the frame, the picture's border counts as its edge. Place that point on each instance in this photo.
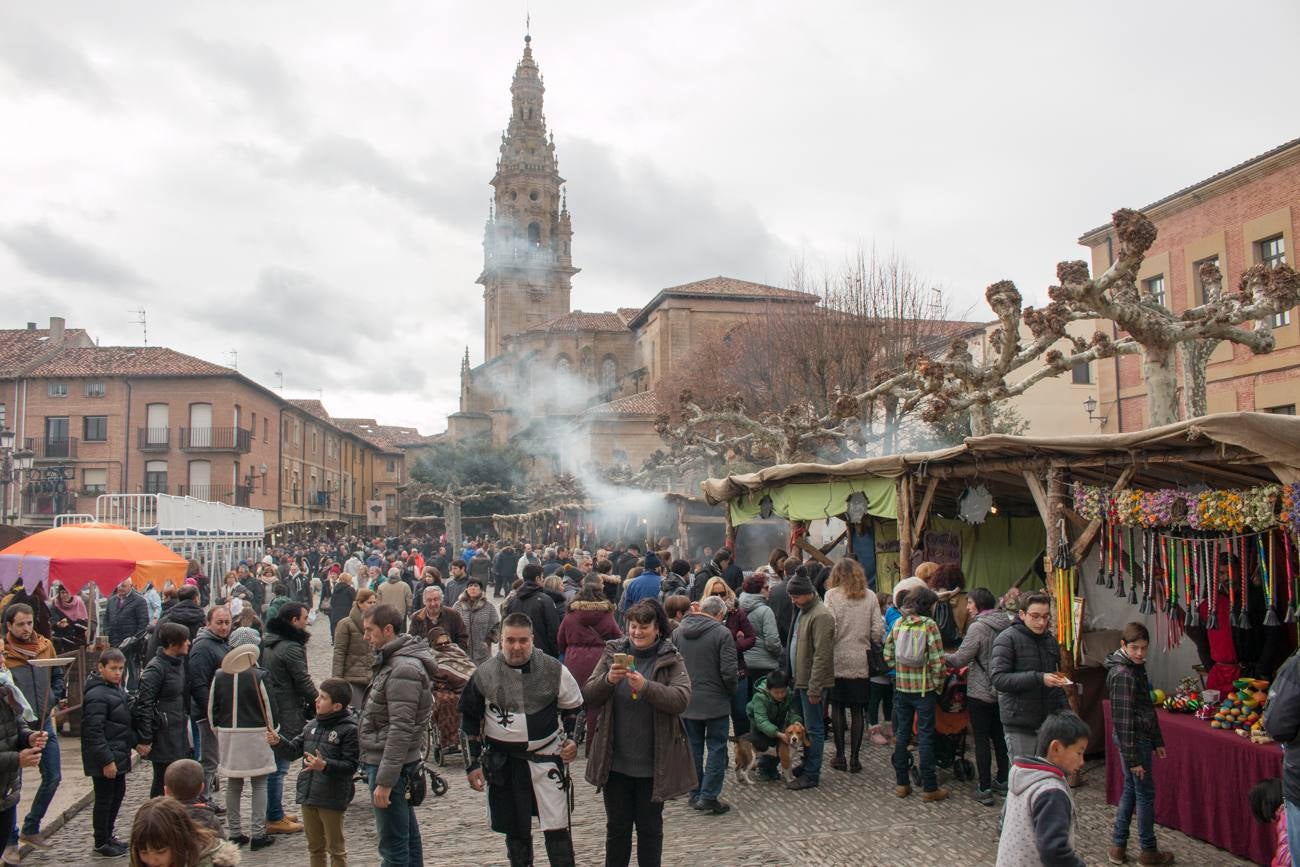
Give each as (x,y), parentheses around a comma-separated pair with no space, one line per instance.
(1240,217)
(142,420)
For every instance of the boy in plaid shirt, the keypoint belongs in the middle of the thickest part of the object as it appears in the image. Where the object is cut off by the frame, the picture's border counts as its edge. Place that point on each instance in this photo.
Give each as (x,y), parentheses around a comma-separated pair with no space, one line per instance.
(915,649)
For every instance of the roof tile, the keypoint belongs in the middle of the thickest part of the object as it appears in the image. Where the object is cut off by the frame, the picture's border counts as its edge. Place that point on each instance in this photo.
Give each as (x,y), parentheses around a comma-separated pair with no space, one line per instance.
(126,361)
(641,403)
(577,320)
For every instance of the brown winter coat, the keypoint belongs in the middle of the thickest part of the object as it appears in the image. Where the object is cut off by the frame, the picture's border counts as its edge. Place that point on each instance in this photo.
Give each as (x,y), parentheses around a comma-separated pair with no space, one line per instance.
(353,657)
(668,689)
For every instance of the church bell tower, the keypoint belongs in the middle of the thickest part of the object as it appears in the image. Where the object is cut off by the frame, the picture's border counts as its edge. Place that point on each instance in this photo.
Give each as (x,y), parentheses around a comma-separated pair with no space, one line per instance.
(527,263)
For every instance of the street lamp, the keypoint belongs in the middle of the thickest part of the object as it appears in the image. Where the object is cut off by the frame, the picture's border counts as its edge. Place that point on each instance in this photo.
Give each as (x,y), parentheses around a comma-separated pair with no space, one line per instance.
(15,463)
(1090,406)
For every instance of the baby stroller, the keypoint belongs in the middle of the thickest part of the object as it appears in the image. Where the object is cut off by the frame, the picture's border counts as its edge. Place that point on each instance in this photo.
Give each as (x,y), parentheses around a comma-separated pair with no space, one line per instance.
(444,735)
(951,720)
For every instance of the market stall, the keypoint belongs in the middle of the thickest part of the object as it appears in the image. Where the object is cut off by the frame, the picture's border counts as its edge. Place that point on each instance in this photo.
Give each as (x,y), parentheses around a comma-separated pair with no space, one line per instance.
(1189,528)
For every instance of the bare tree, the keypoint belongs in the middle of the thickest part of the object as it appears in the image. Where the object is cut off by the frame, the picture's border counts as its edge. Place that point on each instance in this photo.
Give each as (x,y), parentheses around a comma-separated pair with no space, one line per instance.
(1116,295)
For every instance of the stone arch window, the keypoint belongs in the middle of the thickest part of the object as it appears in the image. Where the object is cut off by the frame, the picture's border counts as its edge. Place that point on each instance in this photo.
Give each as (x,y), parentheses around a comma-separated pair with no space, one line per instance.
(563,366)
(535,234)
(608,373)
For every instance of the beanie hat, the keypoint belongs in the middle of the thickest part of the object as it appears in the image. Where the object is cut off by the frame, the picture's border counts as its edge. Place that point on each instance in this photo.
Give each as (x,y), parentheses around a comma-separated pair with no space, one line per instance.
(907,585)
(244,635)
(652,562)
(754,583)
(799,585)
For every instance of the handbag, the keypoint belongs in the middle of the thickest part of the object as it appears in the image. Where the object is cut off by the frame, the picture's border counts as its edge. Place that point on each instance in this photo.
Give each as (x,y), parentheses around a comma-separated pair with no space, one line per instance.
(417,785)
(876,665)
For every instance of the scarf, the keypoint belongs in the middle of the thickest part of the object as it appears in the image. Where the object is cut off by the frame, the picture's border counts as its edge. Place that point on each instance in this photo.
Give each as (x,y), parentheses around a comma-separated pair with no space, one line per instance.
(74,610)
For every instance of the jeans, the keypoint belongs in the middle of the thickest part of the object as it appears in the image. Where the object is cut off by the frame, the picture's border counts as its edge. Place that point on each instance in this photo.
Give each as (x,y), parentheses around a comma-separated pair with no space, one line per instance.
(986,724)
(256,815)
(51,776)
(909,705)
(1139,794)
(395,825)
(1021,743)
(814,722)
(108,800)
(740,698)
(275,791)
(209,750)
(713,734)
(627,804)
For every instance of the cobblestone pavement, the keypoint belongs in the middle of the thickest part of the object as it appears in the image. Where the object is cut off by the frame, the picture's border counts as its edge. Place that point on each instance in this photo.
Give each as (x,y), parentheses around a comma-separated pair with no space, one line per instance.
(850,819)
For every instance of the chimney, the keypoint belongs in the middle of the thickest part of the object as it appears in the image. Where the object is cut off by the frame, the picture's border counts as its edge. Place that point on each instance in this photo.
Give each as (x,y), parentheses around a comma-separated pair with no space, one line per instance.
(31,326)
(56,330)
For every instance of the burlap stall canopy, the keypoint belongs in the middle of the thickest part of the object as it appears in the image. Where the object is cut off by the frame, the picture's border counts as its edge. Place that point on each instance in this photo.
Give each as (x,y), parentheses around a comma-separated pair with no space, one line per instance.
(1243,447)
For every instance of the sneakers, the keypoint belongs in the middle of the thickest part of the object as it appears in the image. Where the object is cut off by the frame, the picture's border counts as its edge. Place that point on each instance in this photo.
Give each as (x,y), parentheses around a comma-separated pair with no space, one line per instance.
(877,737)
(936,795)
(283,826)
(712,805)
(260,842)
(902,791)
(37,840)
(803,782)
(1155,856)
(985,797)
(1117,855)
(1000,787)
(112,849)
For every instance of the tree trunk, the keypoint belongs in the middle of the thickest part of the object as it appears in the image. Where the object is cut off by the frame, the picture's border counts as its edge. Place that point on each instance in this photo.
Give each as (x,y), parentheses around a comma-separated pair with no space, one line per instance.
(1196,355)
(451,511)
(981,419)
(1159,368)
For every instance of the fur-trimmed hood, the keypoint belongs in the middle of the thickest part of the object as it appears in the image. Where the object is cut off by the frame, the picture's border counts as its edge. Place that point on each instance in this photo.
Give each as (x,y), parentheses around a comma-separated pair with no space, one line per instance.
(220,853)
(590,605)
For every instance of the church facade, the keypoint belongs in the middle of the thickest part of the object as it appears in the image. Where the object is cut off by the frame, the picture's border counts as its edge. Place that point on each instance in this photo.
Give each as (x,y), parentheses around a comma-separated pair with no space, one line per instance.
(575,387)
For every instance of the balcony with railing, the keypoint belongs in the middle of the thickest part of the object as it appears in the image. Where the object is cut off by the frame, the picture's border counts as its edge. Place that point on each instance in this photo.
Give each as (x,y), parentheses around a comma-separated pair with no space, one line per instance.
(55,449)
(216,439)
(155,439)
(234,495)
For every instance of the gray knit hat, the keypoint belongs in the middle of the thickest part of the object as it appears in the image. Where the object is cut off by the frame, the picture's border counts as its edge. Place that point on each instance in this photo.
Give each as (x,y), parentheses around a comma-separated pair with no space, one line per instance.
(244,635)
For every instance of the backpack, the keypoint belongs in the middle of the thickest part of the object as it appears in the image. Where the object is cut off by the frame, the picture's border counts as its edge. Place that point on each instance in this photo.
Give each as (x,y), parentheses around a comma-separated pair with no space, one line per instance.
(911,645)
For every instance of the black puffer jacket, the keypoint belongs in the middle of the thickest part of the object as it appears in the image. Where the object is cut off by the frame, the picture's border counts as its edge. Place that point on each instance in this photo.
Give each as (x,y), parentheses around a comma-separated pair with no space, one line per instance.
(14,736)
(187,614)
(107,732)
(532,600)
(1020,659)
(284,656)
(334,737)
(161,714)
(206,653)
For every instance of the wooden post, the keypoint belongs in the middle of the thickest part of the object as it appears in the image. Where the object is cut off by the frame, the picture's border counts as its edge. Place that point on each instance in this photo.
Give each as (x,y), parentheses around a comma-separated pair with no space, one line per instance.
(904,496)
(923,513)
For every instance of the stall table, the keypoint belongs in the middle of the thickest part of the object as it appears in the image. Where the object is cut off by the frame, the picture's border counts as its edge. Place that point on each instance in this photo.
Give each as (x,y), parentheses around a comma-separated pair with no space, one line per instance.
(1202,786)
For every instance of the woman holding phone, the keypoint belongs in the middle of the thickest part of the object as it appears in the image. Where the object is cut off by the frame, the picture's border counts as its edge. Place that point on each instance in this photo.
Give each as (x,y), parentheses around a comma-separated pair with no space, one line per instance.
(639,683)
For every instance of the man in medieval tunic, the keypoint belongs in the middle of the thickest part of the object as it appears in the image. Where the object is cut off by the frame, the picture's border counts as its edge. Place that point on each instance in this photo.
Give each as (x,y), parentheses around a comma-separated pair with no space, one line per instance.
(518,713)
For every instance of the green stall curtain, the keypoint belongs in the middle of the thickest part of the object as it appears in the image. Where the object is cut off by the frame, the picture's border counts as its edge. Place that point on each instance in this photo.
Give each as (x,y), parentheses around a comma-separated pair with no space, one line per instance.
(810,502)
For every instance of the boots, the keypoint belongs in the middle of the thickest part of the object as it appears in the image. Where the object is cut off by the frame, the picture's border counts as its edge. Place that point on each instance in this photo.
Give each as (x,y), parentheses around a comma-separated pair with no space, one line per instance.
(520,851)
(559,849)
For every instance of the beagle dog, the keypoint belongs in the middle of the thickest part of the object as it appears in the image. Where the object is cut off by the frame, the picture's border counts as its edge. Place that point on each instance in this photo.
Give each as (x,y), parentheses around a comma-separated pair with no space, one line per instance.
(747,755)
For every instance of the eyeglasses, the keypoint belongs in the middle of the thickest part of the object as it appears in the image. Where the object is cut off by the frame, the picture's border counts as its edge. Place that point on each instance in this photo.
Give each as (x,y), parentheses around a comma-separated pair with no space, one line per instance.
(1044,616)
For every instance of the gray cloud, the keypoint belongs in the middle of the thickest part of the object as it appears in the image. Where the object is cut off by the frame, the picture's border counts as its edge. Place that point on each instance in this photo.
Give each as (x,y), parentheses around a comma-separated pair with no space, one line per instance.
(42,62)
(294,307)
(257,73)
(650,229)
(345,162)
(51,254)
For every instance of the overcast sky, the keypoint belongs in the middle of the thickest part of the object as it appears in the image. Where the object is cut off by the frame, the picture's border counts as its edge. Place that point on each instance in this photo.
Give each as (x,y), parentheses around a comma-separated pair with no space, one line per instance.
(305,182)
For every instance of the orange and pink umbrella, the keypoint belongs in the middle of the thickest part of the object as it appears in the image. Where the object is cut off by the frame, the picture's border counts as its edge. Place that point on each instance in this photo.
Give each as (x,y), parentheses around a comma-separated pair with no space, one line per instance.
(77,554)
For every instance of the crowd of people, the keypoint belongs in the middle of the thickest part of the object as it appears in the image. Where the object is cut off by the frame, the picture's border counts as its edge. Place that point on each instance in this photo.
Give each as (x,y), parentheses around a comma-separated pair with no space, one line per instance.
(647,663)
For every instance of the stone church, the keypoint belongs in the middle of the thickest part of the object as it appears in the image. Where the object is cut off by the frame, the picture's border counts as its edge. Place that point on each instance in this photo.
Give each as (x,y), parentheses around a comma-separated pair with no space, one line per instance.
(575,387)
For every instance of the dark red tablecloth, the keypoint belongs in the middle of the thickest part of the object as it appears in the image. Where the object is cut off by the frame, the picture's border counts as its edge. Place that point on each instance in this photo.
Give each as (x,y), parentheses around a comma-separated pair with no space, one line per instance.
(1201,788)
